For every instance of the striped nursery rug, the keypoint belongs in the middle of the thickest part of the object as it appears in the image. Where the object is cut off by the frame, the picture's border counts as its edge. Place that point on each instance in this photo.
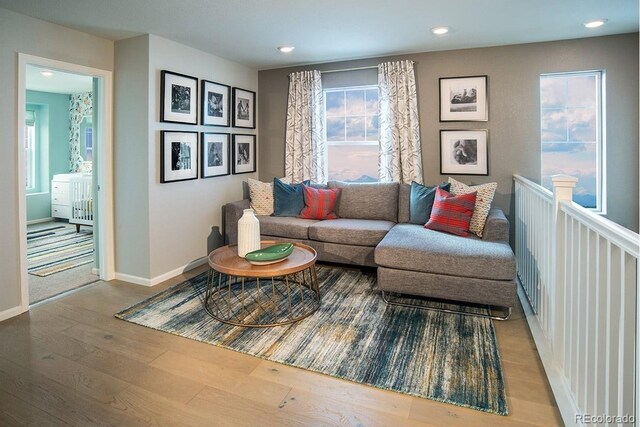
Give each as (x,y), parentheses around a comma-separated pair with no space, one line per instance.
(354,336)
(58,248)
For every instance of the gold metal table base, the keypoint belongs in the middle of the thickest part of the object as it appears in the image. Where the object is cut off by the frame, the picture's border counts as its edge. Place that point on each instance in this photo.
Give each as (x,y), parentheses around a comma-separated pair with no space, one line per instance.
(262,302)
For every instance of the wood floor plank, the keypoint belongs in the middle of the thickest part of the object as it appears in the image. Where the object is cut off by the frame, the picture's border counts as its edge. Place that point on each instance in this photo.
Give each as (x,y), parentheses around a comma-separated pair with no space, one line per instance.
(243,412)
(14,411)
(115,342)
(368,397)
(221,378)
(327,411)
(534,413)
(62,402)
(150,378)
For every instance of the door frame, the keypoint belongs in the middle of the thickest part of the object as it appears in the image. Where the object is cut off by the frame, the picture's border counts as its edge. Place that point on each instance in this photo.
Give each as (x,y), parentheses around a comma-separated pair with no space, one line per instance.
(104,145)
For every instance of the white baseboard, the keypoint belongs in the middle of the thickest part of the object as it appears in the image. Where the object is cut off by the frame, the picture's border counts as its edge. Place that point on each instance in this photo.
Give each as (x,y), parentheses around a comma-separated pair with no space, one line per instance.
(4,315)
(143,281)
(38,221)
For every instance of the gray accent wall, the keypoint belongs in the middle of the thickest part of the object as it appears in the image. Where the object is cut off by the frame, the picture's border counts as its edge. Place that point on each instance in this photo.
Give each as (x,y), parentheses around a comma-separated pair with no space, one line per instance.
(514,110)
(19,33)
(162,228)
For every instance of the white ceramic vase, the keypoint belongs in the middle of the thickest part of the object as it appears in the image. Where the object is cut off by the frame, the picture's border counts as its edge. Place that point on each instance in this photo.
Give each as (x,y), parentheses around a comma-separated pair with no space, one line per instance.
(248,233)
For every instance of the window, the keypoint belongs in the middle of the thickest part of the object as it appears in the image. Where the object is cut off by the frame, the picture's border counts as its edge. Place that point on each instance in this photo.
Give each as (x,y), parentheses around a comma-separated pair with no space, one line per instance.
(572,139)
(30,150)
(351,116)
(88,144)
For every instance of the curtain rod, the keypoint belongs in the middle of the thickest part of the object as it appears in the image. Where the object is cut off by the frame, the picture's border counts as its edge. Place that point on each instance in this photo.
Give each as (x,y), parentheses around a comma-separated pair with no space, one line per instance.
(349,69)
(353,69)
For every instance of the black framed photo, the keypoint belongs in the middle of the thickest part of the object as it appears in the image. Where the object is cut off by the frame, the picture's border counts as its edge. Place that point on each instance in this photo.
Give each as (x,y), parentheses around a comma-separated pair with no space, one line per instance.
(464,152)
(464,99)
(215,103)
(244,153)
(214,150)
(178,156)
(244,108)
(178,98)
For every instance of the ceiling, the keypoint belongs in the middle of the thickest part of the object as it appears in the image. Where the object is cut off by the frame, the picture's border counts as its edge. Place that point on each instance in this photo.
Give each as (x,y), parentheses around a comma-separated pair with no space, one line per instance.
(59,82)
(248,31)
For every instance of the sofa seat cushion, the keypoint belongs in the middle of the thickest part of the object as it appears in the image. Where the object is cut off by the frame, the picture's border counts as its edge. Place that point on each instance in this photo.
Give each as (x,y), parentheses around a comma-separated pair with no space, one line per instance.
(412,247)
(285,226)
(359,232)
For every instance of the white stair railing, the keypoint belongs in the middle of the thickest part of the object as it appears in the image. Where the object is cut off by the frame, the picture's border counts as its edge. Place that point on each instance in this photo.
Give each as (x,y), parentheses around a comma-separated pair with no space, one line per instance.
(579,273)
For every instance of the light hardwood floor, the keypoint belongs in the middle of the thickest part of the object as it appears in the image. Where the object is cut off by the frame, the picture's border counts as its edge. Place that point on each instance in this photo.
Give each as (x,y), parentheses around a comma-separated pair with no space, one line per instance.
(70,362)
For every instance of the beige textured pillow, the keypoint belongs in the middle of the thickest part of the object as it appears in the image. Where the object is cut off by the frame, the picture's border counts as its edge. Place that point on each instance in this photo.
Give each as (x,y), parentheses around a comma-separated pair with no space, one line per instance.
(483,202)
(261,195)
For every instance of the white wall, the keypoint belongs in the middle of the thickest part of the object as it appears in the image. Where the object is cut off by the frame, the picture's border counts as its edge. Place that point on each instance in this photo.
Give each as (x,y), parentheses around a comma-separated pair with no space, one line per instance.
(19,33)
(131,136)
(183,219)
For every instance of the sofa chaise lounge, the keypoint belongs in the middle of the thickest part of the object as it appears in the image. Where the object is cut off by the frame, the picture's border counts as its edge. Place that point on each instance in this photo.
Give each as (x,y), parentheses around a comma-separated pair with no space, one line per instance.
(373,230)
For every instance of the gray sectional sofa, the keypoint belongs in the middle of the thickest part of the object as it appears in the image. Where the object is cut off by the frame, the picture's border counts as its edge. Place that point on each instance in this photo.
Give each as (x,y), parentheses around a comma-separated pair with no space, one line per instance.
(373,230)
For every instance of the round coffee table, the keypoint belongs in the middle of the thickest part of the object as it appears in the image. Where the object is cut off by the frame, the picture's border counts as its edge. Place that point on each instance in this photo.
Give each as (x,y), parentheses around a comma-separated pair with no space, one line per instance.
(242,294)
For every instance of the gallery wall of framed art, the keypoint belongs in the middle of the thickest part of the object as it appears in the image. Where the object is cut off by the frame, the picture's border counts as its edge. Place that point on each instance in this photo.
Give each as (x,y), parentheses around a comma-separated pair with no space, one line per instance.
(187,155)
(464,151)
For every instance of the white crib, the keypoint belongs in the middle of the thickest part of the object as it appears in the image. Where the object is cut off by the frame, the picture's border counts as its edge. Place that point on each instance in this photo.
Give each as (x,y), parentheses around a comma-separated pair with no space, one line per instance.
(81,200)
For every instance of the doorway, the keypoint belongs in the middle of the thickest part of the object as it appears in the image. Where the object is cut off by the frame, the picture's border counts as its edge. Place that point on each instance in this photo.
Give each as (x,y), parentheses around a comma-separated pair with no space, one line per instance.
(67,240)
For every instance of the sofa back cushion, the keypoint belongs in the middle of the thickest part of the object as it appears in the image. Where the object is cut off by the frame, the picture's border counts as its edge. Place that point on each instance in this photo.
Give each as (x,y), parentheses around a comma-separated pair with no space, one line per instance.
(367,201)
(404,197)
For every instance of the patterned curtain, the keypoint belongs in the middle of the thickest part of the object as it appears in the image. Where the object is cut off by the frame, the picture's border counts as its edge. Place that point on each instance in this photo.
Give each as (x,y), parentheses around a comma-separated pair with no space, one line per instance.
(400,157)
(305,149)
(80,105)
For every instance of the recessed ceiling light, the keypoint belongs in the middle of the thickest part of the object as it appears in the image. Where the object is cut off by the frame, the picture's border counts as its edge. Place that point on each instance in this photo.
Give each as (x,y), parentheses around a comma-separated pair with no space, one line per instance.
(286,49)
(438,31)
(595,23)
(46,73)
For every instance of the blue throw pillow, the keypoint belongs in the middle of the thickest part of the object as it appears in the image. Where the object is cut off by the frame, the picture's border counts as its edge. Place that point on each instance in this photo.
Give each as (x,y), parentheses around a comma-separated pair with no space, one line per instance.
(288,199)
(421,202)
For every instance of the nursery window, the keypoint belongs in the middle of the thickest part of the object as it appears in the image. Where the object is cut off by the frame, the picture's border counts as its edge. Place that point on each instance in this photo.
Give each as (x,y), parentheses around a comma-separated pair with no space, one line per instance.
(351,128)
(572,133)
(30,150)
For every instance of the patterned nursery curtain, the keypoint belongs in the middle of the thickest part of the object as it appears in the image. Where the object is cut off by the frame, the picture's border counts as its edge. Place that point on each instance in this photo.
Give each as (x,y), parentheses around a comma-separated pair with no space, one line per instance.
(80,105)
(305,149)
(400,157)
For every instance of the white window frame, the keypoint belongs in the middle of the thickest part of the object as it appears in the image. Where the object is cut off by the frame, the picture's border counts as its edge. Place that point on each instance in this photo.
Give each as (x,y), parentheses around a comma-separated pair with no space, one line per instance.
(347,142)
(30,141)
(601,196)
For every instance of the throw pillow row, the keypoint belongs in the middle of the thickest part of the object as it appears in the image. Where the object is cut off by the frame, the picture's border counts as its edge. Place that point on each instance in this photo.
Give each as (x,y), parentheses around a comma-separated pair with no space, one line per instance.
(422,202)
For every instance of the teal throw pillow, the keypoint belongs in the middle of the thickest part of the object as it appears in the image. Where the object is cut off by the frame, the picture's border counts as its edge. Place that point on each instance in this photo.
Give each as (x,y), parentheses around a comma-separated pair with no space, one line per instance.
(288,199)
(421,202)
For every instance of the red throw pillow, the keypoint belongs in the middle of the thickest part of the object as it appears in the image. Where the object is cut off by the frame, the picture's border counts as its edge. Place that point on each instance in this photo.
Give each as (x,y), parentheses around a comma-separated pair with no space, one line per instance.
(452,214)
(319,203)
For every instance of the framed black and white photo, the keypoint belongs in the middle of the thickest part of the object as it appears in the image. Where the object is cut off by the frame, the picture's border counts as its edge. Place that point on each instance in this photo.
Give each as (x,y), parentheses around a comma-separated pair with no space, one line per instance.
(178,98)
(214,99)
(464,152)
(178,156)
(464,99)
(244,108)
(244,153)
(214,149)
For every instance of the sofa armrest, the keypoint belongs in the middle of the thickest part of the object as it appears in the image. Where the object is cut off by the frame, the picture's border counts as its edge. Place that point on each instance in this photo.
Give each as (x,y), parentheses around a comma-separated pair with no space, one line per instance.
(232,213)
(496,228)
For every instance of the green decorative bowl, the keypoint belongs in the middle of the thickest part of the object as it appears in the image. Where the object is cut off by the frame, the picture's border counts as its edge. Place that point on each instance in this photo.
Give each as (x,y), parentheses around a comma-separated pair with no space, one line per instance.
(270,254)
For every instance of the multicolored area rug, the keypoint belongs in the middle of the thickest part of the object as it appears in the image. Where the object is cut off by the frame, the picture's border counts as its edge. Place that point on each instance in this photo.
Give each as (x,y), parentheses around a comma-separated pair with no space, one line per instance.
(355,336)
(57,249)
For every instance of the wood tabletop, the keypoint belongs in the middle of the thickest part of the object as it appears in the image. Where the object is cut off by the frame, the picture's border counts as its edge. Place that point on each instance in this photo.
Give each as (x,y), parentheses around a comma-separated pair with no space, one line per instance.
(226,260)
